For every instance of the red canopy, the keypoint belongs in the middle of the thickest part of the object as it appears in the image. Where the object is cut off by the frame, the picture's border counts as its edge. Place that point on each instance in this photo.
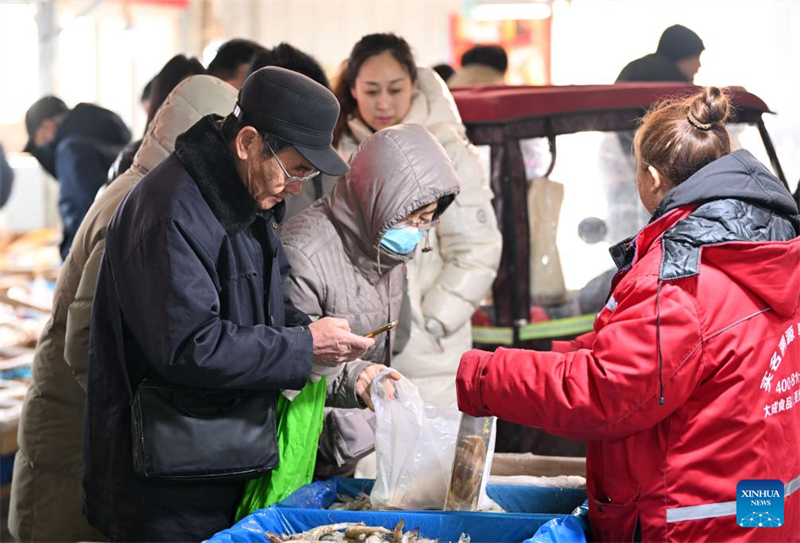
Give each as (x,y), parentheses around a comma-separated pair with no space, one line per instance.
(499,104)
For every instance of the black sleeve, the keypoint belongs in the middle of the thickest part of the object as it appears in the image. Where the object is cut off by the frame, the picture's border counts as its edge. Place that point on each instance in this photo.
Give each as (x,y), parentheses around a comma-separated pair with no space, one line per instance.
(81,173)
(294,317)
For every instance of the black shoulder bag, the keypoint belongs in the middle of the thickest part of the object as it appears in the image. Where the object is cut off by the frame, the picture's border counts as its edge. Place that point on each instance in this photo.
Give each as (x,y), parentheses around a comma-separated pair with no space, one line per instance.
(190,434)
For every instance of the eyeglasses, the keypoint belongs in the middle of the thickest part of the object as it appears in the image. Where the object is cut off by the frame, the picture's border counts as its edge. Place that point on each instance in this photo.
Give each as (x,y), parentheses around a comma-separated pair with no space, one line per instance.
(417,223)
(291,179)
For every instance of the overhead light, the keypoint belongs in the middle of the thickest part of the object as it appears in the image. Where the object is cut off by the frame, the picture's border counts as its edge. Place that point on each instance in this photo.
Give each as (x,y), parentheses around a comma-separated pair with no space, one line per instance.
(508,12)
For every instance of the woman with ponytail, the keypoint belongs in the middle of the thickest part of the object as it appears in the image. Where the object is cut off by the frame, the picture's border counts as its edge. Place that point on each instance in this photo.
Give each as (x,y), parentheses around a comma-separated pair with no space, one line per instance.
(690,381)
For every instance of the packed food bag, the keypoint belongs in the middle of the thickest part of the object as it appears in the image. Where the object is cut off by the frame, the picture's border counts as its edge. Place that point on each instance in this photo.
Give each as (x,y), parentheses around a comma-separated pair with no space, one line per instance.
(472,464)
(415,444)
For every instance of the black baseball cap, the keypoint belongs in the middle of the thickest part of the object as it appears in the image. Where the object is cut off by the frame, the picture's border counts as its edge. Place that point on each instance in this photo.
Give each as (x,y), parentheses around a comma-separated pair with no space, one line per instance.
(296,109)
(42,109)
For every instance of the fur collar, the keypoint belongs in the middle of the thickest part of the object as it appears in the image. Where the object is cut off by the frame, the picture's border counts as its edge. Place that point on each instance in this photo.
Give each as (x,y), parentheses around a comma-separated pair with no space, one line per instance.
(205,155)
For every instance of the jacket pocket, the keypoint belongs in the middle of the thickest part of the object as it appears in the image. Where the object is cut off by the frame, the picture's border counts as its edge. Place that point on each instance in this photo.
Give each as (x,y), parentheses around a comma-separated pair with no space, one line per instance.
(615,517)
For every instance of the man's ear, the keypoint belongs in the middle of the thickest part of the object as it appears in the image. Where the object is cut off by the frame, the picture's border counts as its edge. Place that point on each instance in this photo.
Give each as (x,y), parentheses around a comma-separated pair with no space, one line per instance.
(246,143)
(658,179)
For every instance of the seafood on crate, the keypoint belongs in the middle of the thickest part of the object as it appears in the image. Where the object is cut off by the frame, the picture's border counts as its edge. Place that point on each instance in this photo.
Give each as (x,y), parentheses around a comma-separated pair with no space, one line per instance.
(357,532)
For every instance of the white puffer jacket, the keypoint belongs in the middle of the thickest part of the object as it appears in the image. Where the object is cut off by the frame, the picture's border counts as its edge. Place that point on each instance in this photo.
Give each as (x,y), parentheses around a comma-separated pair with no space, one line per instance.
(446,284)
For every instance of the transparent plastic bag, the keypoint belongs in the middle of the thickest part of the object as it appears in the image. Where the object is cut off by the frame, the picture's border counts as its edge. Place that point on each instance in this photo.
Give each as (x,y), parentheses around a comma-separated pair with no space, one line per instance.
(415,444)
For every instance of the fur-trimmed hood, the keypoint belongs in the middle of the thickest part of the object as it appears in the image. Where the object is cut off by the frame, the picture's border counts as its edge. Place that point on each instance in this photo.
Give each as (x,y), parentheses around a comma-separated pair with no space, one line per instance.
(205,155)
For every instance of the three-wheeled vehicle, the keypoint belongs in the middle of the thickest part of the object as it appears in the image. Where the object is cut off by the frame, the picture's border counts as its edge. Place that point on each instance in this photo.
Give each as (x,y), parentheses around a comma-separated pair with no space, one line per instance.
(559,217)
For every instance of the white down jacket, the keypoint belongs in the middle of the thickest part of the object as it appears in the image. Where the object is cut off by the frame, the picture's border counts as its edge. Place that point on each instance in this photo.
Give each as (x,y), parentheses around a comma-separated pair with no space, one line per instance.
(446,284)
(48,470)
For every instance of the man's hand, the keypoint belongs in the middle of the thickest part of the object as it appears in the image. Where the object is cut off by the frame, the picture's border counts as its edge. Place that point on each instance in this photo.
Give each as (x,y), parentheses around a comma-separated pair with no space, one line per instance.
(364,383)
(334,344)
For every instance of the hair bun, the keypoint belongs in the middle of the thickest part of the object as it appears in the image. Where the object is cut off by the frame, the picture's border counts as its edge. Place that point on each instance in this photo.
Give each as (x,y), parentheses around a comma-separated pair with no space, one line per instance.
(710,107)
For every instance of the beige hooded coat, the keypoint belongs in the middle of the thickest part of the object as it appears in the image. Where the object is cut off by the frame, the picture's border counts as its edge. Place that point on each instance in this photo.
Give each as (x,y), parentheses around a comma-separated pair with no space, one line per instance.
(445,285)
(48,470)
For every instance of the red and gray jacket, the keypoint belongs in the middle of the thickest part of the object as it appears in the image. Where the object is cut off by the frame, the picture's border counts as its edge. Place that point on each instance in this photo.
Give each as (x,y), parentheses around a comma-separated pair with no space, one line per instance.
(690,381)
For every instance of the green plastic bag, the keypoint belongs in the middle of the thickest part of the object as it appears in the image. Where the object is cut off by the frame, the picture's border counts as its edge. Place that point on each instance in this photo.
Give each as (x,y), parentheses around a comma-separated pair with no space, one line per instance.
(299,428)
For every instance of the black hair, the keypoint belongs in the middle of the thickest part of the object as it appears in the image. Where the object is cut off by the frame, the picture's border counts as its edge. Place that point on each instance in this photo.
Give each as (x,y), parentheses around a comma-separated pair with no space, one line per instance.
(232,125)
(367,47)
(443,203)
(678,42)
(291,58)
(231,55)
(445,71)
(147,90)
(174,71)
(493,56)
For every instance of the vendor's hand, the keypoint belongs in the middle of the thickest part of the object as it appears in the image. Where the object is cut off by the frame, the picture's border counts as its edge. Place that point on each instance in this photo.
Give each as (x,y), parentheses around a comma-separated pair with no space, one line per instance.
(364,383)
(334,344)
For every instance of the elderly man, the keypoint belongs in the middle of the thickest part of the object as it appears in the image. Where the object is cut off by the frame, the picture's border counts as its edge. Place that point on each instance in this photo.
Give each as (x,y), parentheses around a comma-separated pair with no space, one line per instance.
(189,295)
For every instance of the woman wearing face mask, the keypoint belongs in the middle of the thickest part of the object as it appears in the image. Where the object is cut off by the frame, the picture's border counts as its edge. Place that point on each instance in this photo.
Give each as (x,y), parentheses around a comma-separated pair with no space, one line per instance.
(348,254)
(381,86)
(688,384)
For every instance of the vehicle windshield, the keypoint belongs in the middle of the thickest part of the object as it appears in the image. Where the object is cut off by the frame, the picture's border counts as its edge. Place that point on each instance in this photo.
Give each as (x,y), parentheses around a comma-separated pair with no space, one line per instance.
(588,203)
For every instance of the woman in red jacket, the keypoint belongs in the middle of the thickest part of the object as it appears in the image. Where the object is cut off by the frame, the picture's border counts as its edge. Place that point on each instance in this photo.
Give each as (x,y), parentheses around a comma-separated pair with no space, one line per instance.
(690,381)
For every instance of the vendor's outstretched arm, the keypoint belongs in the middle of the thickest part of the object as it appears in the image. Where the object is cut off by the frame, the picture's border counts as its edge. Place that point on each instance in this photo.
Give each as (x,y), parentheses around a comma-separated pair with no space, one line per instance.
(607,390)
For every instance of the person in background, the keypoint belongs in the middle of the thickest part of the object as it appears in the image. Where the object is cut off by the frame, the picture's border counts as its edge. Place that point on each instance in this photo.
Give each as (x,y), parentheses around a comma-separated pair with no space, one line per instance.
(145,98)
(192,270)
(233,59)
(290,58)
(685,386)
(76,146)
(349,253)
(174,71)
(382,87)
(481,65)
(677,58)
(445,71)
(48,469)
(6,177)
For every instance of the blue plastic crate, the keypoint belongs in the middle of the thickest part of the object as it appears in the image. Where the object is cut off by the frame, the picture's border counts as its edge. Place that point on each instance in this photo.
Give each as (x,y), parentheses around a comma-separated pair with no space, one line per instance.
(445,526)
(306,509)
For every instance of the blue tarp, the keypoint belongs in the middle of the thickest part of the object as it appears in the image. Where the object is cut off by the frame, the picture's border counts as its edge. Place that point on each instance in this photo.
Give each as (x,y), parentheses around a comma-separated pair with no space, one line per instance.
(445,526)
(305,510)
(513,499)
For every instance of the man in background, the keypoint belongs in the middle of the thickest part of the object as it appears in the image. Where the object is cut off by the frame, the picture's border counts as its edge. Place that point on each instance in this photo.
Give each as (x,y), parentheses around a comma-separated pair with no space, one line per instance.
(76,146)
(481,65)
(232,63)
(677,58)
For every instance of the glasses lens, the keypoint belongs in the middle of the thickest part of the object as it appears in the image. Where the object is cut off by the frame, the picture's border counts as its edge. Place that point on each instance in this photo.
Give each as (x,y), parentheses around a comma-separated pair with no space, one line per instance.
(293,179)
(422,225)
